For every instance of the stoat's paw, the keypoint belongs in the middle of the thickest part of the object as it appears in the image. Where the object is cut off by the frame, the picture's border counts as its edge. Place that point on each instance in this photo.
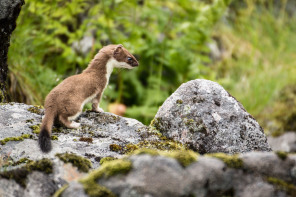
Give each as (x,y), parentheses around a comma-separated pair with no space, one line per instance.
(74,125)
(99,109)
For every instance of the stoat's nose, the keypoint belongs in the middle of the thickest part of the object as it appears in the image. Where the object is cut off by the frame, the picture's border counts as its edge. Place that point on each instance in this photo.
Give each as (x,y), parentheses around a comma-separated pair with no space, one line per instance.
(135,63)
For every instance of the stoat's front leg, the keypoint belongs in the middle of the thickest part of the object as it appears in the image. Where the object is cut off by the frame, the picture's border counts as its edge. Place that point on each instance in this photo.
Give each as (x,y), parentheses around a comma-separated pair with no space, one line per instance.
(96,103)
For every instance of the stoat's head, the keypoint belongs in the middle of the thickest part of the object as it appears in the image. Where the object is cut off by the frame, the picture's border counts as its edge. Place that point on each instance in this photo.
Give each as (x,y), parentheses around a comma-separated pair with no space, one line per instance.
(121,58)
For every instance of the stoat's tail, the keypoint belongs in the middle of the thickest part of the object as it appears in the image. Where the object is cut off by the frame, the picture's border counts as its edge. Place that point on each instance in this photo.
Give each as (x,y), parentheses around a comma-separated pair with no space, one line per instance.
(45,132)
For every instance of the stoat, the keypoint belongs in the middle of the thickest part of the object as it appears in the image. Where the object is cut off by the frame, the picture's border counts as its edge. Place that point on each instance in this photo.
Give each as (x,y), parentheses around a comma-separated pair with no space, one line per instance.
(65,102)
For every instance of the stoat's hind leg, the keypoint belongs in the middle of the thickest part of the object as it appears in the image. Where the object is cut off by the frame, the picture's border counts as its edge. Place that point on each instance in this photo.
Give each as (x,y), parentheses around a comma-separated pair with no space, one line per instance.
(68,123)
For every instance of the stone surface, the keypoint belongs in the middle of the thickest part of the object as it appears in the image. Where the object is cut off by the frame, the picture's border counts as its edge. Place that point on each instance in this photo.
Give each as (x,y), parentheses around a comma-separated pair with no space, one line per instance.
(259,162)
(208,176)
(40,184)
(9,11)
(103,128)
(10,188)
(147,178)
(74,190)
(286,142)
(204,116)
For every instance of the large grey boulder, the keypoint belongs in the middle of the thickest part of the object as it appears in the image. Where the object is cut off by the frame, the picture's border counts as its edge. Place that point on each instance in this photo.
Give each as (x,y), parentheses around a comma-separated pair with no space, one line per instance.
(204,116)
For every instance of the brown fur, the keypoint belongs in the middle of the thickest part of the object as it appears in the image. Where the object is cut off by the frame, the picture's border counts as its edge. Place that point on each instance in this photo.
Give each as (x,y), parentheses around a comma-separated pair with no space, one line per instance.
(65,102)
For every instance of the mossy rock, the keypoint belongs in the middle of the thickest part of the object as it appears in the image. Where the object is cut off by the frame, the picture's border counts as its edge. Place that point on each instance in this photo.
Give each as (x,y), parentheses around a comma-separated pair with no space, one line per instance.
(95,190)
(145,151)
(282,154)
(157,124)
(81,163)
(232,161)
(18,138)
(20,174)
(54,137)
(108,169)
(35,128)
(283,185)
(86,139)
(160,143)
(106,159)
(60,191)
(179,101)
(36,109)
(30,121)
(21,161)
(184,157)
(115,147)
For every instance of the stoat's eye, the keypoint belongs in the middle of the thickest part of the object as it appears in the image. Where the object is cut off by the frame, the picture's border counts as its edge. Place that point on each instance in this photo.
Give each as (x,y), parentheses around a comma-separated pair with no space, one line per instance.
(129,58)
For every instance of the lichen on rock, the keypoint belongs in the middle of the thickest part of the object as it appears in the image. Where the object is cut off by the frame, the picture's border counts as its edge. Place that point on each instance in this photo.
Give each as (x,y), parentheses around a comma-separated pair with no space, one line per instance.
(232,161)
(106,159)
(36,109)
(108,169)
(19,138)
(184,157)
(283,185)
(35,128)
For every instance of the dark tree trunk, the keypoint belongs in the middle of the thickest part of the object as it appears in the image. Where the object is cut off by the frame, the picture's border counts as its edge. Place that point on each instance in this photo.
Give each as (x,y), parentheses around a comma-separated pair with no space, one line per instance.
(9,11)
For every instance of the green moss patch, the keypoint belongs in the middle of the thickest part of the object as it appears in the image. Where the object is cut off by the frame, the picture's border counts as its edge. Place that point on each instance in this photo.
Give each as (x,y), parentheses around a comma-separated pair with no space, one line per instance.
(232,161)
(184,157)
(57,130)
(81,163)
(21,161)
(86,139)
(19,138)
(157,124)
(282,155)
(162,144)
(35,128)
(115,147)
(146,151)
(30,121)
(106,159)
(106,170)
(20,175)
(54,137)
(179,101)
(95,190)
(35,109)
(283,185)
(60,191)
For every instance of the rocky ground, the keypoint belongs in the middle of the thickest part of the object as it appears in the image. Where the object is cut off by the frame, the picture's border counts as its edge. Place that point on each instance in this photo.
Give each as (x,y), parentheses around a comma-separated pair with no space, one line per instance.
(202,142)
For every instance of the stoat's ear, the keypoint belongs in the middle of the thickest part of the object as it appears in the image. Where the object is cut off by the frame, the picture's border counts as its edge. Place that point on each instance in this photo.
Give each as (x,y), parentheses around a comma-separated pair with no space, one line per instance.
(118,49)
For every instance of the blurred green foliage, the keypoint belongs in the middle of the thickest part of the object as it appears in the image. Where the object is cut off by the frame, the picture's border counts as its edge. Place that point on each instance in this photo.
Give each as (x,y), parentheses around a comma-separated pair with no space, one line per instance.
(259,59)
(255,39)
(169,37)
